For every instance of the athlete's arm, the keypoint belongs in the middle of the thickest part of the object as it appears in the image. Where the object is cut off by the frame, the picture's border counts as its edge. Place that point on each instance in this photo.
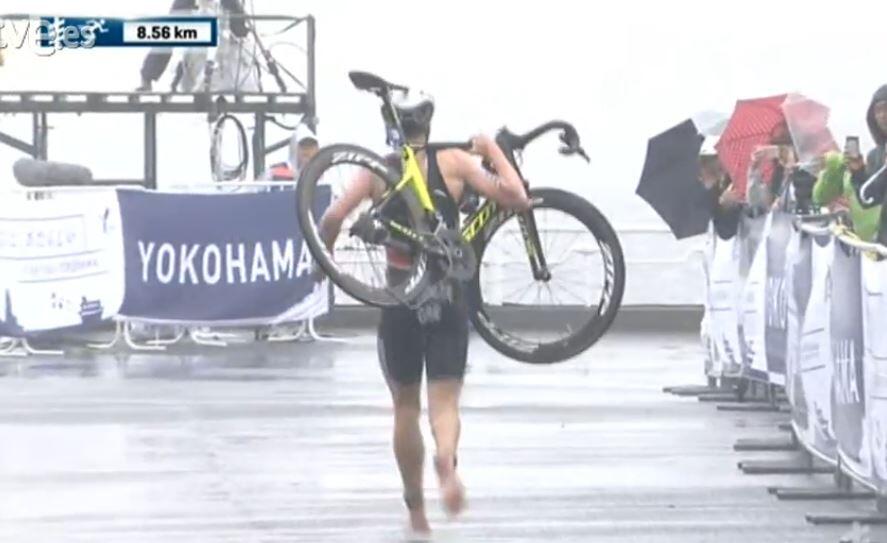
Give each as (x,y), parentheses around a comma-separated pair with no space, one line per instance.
(364,186)
(504,187)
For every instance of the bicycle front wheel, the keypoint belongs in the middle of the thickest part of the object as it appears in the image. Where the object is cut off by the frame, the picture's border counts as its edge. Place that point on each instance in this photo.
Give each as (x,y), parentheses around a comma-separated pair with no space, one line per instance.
(360,262)
(551,319)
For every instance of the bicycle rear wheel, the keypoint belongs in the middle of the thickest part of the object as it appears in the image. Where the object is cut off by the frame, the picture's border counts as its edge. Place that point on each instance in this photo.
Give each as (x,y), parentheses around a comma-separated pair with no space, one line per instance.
(357,264)
(548,321)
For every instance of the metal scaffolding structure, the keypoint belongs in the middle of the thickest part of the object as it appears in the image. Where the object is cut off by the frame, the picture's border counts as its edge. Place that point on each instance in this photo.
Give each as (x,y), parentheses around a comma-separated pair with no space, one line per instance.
(262,106)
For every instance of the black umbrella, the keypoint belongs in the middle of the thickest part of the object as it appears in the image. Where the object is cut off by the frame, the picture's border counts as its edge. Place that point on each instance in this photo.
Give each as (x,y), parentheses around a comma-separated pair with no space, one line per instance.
(670,181)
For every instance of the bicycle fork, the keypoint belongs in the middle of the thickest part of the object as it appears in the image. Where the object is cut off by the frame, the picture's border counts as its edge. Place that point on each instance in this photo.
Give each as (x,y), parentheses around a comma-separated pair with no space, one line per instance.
(530,234)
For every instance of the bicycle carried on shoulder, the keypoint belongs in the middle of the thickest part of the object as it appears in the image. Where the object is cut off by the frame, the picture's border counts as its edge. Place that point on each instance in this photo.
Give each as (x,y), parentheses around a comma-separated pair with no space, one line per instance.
(495,249)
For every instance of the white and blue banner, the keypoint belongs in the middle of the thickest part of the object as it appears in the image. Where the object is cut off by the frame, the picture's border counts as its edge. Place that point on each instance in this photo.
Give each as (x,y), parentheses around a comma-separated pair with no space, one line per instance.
(776,297)
(724,293)
(812,310)
(765,302)
(847,348)
(235,258)
(61,261)
(874,308)
(814,361)
(754,305)
(798,285)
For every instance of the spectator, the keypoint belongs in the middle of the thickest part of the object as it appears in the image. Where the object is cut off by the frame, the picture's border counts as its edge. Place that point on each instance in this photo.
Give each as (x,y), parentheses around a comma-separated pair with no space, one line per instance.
(770,166)
(726,205)
(871,176)
(838,188)
(303,147)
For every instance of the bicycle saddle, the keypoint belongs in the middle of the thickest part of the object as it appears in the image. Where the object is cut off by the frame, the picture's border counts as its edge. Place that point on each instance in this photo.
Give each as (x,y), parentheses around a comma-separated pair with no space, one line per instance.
(366,81)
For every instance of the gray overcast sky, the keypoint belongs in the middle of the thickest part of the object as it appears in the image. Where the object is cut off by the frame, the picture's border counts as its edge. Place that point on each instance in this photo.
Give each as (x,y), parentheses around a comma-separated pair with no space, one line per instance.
(620,76)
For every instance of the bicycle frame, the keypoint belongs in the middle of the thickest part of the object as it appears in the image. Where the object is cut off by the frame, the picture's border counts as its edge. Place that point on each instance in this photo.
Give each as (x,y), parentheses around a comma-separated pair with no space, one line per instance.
(478,222)
(413,179)
(478,226)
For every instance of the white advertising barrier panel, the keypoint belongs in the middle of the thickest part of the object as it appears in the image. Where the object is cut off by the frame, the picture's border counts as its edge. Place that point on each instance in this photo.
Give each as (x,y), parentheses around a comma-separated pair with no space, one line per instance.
(815,355)
(874,304)
(713,365)
(798,283)
(776,298)
(847,348)
(725,289)
(754,300)
(61,261)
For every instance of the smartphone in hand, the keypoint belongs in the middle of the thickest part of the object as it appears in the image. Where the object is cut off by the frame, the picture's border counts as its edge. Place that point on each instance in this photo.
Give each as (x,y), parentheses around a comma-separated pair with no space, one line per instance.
(851,146)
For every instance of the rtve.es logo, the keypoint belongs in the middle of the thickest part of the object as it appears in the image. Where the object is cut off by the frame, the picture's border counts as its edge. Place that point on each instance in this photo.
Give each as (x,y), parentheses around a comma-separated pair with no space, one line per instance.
(47,35)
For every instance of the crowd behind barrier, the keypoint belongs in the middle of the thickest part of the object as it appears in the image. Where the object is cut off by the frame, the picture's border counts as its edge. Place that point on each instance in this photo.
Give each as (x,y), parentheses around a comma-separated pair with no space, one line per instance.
(74,259)
(800,304)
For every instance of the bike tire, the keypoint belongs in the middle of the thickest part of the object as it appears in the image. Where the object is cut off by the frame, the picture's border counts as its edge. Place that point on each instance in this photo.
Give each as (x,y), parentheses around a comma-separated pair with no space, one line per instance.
(582,338)
(306,192)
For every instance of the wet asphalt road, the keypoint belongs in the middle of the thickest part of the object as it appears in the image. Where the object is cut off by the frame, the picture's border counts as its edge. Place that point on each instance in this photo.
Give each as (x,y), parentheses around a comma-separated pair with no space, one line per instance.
(292,443)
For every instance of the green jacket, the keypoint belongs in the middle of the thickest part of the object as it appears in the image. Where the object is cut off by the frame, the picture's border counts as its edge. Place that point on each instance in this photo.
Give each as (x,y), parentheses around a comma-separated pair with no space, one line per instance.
(835,181)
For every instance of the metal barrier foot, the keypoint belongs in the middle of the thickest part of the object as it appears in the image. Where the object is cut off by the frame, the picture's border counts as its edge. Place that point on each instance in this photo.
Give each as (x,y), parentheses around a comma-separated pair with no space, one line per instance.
(299,335)
(40,352)
(313,334)
(813,494)
(762,467)
(20,347)
(762,445)
(691,390)
(847,518)
(13,348)
(118,335)
(171,341)
(755,408)
(130,342)
(207,339)
(719,397)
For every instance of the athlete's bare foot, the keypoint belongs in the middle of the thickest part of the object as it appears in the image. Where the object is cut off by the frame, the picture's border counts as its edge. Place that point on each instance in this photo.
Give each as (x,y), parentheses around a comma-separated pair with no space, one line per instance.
(452,492)
(419,527)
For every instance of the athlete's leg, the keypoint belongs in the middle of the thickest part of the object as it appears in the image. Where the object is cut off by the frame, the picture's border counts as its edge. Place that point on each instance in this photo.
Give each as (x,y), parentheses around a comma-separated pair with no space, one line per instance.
(443,408)
(400,355)
(445,354)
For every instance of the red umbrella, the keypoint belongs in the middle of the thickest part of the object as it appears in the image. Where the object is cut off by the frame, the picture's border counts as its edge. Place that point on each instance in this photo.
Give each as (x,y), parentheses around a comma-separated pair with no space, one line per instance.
(807,122)
(754,122)
(782,118)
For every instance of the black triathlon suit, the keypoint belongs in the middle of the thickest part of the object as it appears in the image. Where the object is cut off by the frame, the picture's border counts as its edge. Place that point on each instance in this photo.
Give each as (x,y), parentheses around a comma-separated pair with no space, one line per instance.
(405,345)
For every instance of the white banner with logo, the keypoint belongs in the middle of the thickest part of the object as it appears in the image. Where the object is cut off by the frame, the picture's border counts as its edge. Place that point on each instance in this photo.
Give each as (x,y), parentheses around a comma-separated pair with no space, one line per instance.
(754,299)
(725,289)
(874,305)
(61,261)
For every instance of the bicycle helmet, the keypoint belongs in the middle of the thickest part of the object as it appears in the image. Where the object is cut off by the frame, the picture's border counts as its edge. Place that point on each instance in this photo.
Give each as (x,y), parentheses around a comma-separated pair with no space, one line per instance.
(415,113)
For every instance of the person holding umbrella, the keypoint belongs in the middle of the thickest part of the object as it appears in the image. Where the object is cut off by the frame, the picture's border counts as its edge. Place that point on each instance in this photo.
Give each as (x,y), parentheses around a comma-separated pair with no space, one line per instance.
(726,205)
(767,172)
(685,183)
(771,140)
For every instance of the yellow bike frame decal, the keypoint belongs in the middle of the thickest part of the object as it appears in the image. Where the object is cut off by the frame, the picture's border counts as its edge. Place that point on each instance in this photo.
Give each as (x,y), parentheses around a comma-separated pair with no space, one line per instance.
(412,174)
(531,250)
(477,222)
(405,231)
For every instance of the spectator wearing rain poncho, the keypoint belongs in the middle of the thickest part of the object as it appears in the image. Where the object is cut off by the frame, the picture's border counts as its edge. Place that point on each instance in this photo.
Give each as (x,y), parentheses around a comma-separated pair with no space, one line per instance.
(859,185)
(837,187)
